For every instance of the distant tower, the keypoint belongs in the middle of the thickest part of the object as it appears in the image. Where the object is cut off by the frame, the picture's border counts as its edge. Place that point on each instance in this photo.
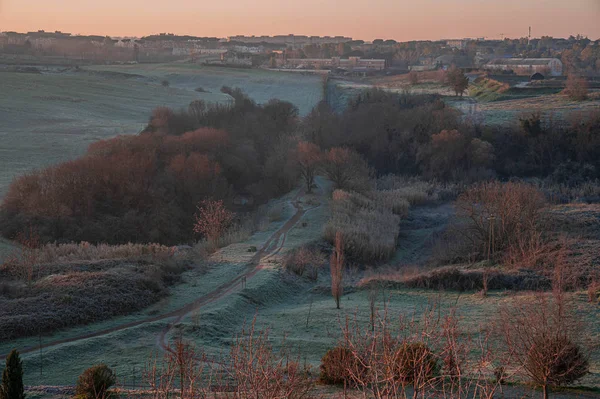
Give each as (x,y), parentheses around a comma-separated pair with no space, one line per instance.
(529,38)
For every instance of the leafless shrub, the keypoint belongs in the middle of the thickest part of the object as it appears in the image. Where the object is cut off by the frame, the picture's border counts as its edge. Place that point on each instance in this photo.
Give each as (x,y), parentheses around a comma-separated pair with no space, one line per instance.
(502,217)
(348,170)
(544,341)
(257,371)
(251,369)
(426,354)
(303,261)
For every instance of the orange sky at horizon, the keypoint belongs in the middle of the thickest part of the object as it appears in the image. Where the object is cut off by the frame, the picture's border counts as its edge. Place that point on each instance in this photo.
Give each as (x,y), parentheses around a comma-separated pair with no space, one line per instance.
(401,20)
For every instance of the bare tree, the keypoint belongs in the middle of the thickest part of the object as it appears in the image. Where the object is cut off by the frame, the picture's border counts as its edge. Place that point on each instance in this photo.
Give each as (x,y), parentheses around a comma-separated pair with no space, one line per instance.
(336,265)
(543,340)
(347,169)
(308,156)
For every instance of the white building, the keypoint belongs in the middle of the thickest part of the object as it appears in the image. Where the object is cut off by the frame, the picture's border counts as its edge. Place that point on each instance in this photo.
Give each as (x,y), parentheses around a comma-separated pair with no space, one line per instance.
(545,66)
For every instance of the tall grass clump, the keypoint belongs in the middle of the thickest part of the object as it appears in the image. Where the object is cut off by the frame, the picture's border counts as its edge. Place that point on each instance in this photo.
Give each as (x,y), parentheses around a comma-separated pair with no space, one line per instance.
(369,230)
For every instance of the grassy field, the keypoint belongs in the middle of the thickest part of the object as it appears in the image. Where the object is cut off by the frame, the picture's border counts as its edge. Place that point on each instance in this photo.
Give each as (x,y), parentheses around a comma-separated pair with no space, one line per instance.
(295,309)
(53,117)
(304,91)
(49,118)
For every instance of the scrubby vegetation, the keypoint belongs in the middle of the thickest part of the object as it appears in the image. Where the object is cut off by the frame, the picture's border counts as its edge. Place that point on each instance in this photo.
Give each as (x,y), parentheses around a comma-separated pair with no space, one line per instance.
(369,229)
(94,383)
(74,284)
(304,261)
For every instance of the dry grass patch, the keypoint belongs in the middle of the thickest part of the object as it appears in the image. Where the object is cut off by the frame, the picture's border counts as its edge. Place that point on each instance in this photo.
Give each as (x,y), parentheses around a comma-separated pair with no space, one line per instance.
(369,229)
(74,284)
(417,191)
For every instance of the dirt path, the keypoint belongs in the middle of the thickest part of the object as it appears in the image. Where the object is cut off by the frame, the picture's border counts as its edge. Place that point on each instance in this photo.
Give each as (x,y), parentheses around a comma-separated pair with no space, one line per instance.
(271,247)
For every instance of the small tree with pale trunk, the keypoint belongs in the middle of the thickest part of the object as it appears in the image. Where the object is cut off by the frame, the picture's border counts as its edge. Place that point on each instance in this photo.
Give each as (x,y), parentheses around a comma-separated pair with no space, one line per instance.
(336,265)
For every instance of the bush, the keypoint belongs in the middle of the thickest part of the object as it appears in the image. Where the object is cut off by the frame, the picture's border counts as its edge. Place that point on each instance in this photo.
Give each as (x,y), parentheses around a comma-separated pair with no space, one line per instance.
(508,212)
(165,83)
(303,261)
(336,365)
(415,363)
(94,382)
(453,279)
(576,88)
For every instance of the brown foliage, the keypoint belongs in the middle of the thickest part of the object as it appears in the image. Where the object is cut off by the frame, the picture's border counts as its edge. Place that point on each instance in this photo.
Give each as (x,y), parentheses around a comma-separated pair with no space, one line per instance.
(304,261)
(576,87)
(501,217)
(212,219)
(309,157)
(335,366)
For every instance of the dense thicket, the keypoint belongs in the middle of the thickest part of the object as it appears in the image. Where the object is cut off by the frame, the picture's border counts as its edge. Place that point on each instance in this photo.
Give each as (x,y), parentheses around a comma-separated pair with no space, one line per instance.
(145,188)
(419,134)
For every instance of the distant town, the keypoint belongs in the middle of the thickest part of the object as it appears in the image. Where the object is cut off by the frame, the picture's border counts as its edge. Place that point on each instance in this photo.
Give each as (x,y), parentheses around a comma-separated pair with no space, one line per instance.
(546,56)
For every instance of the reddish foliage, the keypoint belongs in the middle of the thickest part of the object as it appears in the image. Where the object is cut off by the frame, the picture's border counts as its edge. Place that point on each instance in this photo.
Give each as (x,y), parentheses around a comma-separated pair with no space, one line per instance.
(212,219)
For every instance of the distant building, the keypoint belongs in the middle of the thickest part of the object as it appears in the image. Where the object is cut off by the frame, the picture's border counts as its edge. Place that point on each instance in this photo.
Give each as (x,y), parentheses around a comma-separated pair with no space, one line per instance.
(448,60)
(351,63)
(459,44)
(290,40)
(527,66)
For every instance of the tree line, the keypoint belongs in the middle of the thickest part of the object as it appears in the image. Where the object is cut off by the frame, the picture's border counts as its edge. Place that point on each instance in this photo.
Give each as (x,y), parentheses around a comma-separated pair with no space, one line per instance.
(146,187)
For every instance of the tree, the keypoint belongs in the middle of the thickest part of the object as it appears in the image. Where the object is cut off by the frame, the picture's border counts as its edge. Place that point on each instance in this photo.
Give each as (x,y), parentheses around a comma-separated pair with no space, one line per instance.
(94,382)
(541,339)
(12,377)
(347,169)
(576,87)
(457,80)
(336,265)
(308,156)
(212,219)
(413,78)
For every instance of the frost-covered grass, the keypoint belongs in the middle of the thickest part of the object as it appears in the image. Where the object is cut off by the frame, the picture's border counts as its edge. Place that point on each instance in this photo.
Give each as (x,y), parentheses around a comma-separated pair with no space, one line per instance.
(304,91)
(50,118)
(54,117)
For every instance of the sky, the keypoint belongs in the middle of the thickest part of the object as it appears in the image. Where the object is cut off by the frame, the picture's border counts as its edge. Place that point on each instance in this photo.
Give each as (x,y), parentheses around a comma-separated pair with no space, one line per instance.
(401,20)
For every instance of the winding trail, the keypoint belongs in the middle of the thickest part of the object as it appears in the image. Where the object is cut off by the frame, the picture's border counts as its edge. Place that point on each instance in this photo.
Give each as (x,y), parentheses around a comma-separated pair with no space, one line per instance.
(271,247)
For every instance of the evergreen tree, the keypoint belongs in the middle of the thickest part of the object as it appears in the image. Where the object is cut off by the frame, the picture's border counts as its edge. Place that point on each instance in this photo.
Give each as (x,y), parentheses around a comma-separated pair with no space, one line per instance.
(12,378)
